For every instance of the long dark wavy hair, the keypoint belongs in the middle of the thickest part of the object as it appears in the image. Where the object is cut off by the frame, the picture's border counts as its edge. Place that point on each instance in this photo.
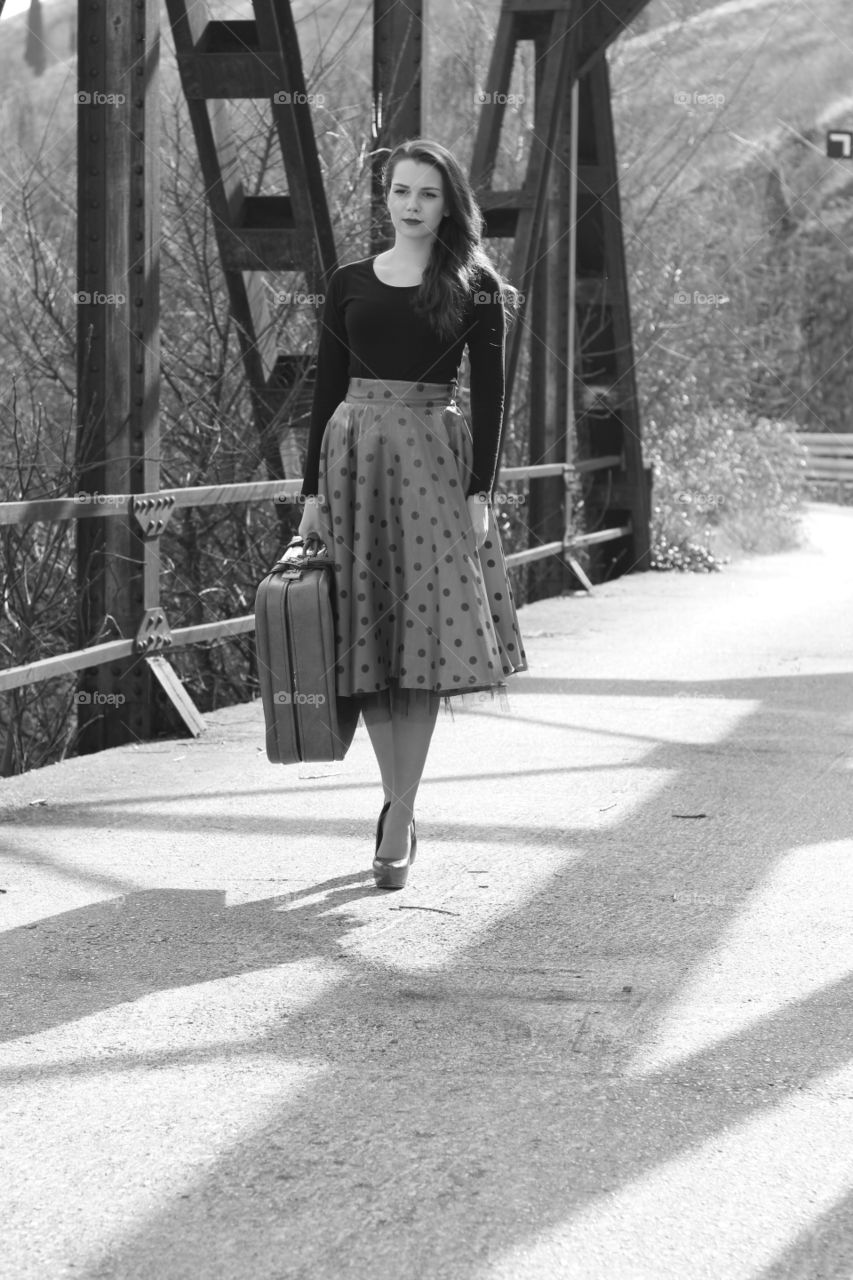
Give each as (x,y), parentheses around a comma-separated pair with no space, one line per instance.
(457,256)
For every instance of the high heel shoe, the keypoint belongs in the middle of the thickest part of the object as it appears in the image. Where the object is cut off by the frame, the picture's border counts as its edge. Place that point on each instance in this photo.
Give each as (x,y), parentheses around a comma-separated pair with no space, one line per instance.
(392,874)
(386,806)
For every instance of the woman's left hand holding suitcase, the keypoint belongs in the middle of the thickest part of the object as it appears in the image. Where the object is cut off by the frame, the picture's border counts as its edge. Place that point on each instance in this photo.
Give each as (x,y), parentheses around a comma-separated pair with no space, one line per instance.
(314,521)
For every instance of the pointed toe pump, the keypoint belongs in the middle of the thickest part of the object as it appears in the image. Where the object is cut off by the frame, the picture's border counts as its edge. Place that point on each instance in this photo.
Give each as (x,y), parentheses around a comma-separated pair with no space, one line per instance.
(392,874)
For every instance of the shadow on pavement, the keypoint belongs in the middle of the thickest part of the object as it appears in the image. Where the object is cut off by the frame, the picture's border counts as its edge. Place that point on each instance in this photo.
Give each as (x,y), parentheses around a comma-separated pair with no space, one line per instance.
(472,1113)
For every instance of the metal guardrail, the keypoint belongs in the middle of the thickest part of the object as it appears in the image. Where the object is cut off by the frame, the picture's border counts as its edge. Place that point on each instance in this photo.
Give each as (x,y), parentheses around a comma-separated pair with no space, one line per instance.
(157,508)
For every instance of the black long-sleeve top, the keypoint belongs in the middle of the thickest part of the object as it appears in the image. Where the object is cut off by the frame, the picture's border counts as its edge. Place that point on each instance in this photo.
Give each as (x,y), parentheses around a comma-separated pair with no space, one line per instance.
(370,330)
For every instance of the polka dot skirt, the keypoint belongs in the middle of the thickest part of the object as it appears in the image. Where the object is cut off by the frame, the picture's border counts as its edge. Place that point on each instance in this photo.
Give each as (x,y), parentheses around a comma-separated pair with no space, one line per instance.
(417,605)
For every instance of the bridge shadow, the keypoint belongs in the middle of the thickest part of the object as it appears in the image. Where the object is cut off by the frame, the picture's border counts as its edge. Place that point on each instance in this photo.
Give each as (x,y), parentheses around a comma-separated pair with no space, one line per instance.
(472,1112)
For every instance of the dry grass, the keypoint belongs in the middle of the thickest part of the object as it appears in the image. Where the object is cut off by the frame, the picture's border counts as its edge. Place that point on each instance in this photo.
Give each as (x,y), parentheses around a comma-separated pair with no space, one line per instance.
(777,68)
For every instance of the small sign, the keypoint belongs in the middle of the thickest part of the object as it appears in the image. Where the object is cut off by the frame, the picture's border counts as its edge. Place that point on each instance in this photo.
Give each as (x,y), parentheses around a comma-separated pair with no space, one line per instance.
(839,144)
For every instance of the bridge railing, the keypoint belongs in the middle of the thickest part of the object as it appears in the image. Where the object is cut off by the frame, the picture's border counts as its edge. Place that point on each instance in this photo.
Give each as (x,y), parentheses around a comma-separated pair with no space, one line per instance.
(830,458)
(165,501)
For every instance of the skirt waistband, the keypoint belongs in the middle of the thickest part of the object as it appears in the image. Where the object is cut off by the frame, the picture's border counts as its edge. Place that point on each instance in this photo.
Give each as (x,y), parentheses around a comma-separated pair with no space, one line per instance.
(381,390)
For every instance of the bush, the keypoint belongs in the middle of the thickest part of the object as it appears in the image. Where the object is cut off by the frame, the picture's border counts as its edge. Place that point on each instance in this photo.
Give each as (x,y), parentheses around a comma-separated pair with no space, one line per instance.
(720,478)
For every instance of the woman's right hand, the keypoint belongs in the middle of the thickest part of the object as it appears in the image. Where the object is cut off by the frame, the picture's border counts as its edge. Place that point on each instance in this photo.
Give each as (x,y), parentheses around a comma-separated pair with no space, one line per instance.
(314,521)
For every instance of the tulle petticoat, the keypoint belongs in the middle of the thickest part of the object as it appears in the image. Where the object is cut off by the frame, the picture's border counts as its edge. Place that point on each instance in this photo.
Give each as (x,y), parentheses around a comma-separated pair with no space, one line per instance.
(418,607)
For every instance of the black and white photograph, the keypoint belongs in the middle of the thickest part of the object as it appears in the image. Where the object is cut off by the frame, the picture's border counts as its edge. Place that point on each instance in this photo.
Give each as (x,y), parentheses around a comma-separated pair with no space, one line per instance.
(426,639)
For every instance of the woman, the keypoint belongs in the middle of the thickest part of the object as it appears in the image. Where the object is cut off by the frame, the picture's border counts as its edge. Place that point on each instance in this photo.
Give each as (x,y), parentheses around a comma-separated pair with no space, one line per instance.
(399,486)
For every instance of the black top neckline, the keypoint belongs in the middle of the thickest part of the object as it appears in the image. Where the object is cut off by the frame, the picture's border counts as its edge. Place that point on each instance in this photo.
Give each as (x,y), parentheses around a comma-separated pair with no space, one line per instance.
(385,282)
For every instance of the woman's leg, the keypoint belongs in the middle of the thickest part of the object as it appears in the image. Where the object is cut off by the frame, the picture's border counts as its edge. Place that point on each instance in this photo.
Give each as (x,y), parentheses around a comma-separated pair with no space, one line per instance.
(411,731)
(376,712)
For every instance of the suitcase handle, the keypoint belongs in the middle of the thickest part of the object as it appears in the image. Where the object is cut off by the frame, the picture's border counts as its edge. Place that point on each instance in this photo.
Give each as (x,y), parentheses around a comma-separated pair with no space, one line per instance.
(303,553)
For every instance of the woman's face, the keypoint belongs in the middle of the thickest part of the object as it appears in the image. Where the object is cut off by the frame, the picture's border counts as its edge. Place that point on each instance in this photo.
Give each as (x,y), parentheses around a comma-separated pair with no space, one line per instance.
(416,200)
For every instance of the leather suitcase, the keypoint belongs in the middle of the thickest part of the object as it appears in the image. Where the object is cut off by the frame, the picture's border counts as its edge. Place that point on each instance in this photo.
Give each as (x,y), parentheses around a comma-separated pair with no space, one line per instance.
(295,639)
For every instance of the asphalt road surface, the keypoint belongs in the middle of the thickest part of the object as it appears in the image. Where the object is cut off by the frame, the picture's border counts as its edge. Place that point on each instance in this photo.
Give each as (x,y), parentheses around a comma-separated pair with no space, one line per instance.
(604,1033)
